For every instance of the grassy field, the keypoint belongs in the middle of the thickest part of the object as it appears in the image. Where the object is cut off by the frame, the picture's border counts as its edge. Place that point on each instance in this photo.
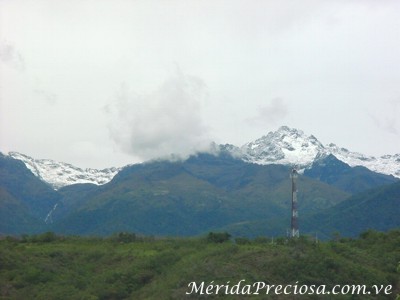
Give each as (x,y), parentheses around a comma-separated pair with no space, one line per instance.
(125,266)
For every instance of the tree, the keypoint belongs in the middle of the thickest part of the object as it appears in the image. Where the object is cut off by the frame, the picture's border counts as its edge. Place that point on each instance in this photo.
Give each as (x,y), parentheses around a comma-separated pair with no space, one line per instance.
(218,237)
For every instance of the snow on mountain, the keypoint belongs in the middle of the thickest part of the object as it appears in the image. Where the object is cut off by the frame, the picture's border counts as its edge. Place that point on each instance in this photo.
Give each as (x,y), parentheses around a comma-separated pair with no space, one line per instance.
(386,164)
(59,174)
(290,146)
(287,146)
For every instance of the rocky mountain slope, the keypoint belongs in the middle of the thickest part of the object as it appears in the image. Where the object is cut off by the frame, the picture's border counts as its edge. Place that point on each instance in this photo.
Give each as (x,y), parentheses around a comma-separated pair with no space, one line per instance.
(289,146)
(59,174)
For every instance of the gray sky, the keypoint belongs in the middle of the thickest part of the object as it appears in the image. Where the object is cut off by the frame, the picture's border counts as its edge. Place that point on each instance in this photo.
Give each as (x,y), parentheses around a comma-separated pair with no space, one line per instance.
(107,83)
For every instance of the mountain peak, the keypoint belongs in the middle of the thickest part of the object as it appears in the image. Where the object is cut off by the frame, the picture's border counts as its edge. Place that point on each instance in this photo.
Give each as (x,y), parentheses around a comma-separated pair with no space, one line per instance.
(287,130)
(288,146)
(59,174)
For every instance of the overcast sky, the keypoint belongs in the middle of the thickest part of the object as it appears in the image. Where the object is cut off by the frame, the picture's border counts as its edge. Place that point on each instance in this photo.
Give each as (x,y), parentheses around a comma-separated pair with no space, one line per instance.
(107,83)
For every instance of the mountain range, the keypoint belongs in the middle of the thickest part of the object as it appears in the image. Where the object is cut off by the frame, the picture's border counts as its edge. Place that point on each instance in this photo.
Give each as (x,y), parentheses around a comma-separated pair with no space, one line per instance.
(289,146)
(244,190)
(286,146)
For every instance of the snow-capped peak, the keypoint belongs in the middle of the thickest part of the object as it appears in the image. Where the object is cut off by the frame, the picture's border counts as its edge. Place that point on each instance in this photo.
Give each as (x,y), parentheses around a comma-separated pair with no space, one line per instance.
(286,146)
(385,164)
(291,146)
(59,174)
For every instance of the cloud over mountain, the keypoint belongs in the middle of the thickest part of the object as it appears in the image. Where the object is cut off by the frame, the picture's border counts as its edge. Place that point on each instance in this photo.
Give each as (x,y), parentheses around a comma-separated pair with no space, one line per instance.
(270,113)
(164,122)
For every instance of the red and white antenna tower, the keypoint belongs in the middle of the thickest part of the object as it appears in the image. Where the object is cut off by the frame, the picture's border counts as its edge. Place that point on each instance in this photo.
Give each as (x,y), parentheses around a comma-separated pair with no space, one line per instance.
(294,229)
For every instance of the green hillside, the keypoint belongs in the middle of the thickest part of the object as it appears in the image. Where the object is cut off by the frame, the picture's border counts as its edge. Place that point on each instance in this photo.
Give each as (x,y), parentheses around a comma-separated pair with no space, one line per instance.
(130,267)
(25,200)
(378,208)
(352,180)
(15,216)
(191,197)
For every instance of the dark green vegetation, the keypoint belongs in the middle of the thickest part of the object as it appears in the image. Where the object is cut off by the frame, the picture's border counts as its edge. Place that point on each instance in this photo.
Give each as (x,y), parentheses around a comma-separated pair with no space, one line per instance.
(25,200)
(339,174)
(15,217)
(188,198)
(378,209)
(204,193)
(126,266)
(360,212)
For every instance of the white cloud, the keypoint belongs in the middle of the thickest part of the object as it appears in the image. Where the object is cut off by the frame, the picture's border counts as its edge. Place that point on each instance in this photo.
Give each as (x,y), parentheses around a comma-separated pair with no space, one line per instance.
(164,122)
(272,113)
(387,118)
(10,56)
(332,63)
(49,97)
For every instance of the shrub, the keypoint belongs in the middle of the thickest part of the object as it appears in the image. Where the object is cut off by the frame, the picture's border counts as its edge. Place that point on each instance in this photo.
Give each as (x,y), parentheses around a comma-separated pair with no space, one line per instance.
(218,237)
(46,237)
(125,237)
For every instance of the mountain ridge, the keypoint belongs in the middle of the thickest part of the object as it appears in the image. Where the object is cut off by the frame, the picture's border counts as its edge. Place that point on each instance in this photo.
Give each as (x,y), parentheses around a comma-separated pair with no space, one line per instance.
(360,212)
(205,192)
(286,146)
(191,197)
(60,174)
(291,146)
